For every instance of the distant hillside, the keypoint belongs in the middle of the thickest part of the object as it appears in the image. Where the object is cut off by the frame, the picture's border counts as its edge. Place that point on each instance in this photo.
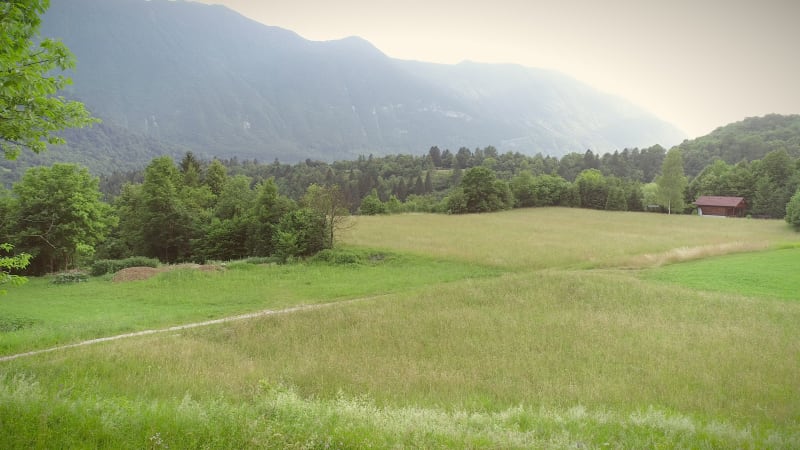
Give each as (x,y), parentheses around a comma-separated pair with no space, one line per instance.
(748,140)
(206,78)
(103,148)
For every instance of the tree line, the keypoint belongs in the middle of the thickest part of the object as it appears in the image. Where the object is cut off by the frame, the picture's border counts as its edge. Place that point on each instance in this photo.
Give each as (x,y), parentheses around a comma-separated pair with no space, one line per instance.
(197,210)
(177,213)
(62,217)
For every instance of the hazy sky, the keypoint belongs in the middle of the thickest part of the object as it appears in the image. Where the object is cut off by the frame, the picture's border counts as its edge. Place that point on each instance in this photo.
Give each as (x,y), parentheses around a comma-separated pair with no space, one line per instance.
(699,64)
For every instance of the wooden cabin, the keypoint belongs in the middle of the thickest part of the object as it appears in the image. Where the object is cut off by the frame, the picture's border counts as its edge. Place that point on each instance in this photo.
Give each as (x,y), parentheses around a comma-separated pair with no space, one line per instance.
(709,205)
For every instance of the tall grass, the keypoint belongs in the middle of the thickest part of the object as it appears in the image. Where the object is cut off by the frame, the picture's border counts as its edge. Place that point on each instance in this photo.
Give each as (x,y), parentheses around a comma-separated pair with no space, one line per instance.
(562,357)
(278,417)
(542,238)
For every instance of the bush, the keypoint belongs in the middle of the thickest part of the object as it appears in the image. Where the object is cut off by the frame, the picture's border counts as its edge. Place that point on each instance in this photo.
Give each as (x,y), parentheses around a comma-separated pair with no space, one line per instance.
(261,260)
(10,324)
(104,266)
(349,256)
(793,211)
(339,257)
(70,277)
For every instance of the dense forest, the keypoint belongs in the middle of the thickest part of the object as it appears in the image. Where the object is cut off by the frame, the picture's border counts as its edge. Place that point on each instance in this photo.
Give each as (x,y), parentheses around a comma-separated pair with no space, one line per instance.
(194,209)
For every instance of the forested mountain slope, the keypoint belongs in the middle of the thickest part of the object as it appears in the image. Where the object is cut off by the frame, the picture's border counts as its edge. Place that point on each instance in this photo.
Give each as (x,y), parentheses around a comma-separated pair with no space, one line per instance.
(103,148)
(748,140)
(209,79)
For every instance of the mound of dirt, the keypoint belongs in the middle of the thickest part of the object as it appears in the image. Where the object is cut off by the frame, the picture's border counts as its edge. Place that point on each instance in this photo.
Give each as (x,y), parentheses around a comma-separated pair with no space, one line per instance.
(143,273)
(135,274)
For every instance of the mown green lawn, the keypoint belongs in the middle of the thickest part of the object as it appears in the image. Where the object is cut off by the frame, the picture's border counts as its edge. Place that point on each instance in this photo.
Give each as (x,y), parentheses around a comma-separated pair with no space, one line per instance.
(465,337)
(760,274)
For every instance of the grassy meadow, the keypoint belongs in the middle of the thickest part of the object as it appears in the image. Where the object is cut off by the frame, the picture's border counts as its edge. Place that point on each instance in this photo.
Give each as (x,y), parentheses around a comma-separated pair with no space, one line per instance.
(538,328)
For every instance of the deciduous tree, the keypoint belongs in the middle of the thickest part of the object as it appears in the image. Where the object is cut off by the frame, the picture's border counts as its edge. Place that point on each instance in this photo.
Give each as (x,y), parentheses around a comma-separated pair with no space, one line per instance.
(592,188)
(10,263)
(672,182)
(483,192)
(330,202)
(60,215)
(29,110)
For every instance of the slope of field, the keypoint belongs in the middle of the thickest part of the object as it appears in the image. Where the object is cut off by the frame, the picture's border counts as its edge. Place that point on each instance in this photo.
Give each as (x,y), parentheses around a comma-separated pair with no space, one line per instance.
(563,345)
(547,238)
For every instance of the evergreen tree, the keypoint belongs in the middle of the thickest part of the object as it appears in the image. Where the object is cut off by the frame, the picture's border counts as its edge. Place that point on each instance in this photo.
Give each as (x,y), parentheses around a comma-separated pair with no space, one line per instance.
(167,224)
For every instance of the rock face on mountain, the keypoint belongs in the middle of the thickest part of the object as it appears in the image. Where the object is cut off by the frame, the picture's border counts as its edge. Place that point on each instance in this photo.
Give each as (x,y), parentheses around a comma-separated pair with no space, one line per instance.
(209,79)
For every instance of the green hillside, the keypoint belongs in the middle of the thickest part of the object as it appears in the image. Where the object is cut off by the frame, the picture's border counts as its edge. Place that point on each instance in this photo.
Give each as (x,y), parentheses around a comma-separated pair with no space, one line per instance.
(748,140)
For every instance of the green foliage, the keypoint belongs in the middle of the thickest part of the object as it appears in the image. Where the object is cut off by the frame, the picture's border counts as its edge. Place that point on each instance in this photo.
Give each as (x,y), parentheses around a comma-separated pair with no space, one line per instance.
(592,189)
(29,111)
(541,190)
(105,266)
(60,216)
(372,205)
(722,179)
(483,192)
(236,199)
(73,276)
(350,256)
(216,176)
(617,199)
(9,263)
(167,224)
(793,211)
(672,182)
(748,140)
(223,240)
(300,233)
(456,202)
(776,180)
(329,203)
(11,324)
(268,210)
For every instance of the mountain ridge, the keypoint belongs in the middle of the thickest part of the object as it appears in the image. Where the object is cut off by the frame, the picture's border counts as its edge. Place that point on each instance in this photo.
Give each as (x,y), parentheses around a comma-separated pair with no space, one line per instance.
(212,80)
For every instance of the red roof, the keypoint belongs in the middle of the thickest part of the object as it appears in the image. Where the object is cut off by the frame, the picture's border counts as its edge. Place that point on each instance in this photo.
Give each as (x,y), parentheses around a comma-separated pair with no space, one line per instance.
(711,200)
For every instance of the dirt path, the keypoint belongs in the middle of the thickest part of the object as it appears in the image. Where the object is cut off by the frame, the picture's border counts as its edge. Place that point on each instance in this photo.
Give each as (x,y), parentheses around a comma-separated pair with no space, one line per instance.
(268,312)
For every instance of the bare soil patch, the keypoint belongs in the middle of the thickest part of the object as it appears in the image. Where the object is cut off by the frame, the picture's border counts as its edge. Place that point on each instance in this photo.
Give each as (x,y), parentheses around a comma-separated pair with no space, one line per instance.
(143,273)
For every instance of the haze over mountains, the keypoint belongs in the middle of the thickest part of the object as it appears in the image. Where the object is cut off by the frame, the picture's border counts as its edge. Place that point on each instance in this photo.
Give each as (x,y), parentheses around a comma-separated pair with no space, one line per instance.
(208,79)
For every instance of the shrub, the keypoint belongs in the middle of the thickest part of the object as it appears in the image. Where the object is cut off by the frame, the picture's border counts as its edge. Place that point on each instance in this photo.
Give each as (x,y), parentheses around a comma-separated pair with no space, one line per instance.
(372,205)
(339,257)
(262,260)
(104,266)
(349,256)
(70,277)
(9,324)
(793,211)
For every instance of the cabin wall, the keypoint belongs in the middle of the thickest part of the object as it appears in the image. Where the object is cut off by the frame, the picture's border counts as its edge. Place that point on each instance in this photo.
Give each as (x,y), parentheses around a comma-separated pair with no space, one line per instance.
(716,211)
